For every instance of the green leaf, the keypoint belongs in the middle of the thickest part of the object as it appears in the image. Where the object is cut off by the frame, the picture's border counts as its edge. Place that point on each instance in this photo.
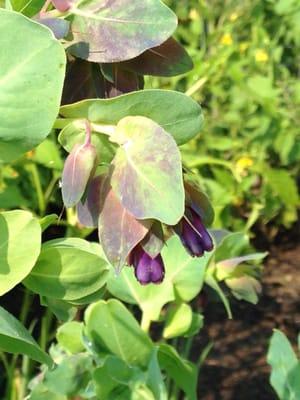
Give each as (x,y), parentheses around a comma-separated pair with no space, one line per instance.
(181,371)
(20,246)
(68,269)
(70,376)
(147,171)
(245,288)
(28,8)
(178,321)
(69,336)
(186,273)
(114,330)
(33,68)
(285,367)
(60,308)
(283,185)
(120,31)
(41,392)
(119,231)
(175,112)
(155,379)
(213,283)
(14,338)
(47,154)
(196,325)
(231,246)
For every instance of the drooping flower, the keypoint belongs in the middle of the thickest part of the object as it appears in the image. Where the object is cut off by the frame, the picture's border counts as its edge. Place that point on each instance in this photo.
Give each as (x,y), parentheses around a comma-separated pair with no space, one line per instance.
(147,269)
(193,234)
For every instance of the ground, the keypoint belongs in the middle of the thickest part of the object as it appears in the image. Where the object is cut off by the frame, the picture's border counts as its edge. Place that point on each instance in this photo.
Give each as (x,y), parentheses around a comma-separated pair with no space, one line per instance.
(236,368)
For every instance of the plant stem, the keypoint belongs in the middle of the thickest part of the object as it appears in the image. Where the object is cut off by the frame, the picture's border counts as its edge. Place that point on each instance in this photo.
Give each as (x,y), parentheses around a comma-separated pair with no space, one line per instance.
(38,187)
(145,323)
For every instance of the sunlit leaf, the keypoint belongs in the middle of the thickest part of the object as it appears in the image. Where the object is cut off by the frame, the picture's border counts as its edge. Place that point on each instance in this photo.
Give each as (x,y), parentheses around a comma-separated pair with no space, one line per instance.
(120,29)
(178,114)
(33,68)
(147,175)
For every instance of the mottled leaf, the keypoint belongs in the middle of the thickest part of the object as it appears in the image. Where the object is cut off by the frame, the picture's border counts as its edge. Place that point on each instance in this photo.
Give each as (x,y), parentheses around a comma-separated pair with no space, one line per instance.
(119,231)
(88,209)
(178,114)
(147,175)
(77,171)
(168,59)
(154,240)
(117,30)
(59,27)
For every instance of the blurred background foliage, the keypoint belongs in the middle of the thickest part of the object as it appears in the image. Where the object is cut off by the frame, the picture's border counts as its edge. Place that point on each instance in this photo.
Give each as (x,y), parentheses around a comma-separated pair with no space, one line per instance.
(246,77)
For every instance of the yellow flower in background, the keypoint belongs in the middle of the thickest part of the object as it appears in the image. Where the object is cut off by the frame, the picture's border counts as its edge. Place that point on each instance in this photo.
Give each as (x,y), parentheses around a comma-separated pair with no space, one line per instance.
(243,164)
(243,47)
(226,39)
(261,55)
(29,154)
(233,17)
(194,15)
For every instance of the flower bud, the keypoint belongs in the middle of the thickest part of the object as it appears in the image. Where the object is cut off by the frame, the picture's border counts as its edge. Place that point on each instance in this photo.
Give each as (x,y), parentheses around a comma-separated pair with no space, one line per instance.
(147,269)
(62,5)
(78,169)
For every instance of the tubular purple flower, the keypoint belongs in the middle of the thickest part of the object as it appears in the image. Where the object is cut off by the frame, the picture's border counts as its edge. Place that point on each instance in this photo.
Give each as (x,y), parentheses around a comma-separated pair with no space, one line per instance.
(147,269)
(193,234)
(78,170)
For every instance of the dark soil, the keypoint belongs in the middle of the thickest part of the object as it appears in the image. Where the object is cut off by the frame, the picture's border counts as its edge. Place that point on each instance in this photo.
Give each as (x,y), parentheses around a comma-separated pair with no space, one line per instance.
(236,367)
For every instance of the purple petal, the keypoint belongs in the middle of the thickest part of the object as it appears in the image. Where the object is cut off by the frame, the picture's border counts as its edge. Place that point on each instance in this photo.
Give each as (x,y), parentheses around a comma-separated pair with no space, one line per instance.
(206,240)
(191,239)
(147,269)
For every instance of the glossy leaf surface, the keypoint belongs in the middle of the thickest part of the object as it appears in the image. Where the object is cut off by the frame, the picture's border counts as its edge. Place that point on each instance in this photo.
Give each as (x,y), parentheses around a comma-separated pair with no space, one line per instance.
(20,246)
(118,30)
(14,338)
(147,174)
(68,269)
(114,330)
(33,67)
(173,111)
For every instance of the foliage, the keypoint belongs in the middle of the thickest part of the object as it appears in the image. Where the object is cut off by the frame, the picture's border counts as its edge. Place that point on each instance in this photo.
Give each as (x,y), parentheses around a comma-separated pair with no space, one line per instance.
(285,367)
(73,80)
(245,76)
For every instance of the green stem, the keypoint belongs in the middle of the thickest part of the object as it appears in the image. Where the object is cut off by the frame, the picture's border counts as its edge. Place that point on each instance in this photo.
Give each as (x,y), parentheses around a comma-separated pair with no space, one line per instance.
(105,129)
(38,187)
(145,323)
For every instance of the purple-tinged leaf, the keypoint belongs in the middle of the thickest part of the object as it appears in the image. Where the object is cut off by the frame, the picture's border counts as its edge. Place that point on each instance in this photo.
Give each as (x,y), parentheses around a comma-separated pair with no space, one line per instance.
(62,5)
(58,26)
(227,267)
(245,288)
(154,240)
(83,80)
(119,81)
(147,171)
(88,210)
(77,171)
(118,30)
(119,231)
(198,200)
(168,59)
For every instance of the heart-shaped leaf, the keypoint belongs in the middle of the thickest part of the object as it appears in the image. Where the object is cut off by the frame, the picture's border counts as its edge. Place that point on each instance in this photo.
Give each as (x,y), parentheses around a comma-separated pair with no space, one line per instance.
(119,231)
(147,171)
(33,67)
(175,112)
(20,246)
(14,338)
(119,29)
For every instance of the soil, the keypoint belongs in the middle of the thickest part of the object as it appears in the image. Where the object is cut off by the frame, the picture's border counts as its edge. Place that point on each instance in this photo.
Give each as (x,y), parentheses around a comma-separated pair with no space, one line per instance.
(236,367)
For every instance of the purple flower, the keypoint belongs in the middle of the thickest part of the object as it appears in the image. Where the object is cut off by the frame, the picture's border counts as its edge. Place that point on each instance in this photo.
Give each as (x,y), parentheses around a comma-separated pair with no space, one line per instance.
(193,234)
(147,269)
